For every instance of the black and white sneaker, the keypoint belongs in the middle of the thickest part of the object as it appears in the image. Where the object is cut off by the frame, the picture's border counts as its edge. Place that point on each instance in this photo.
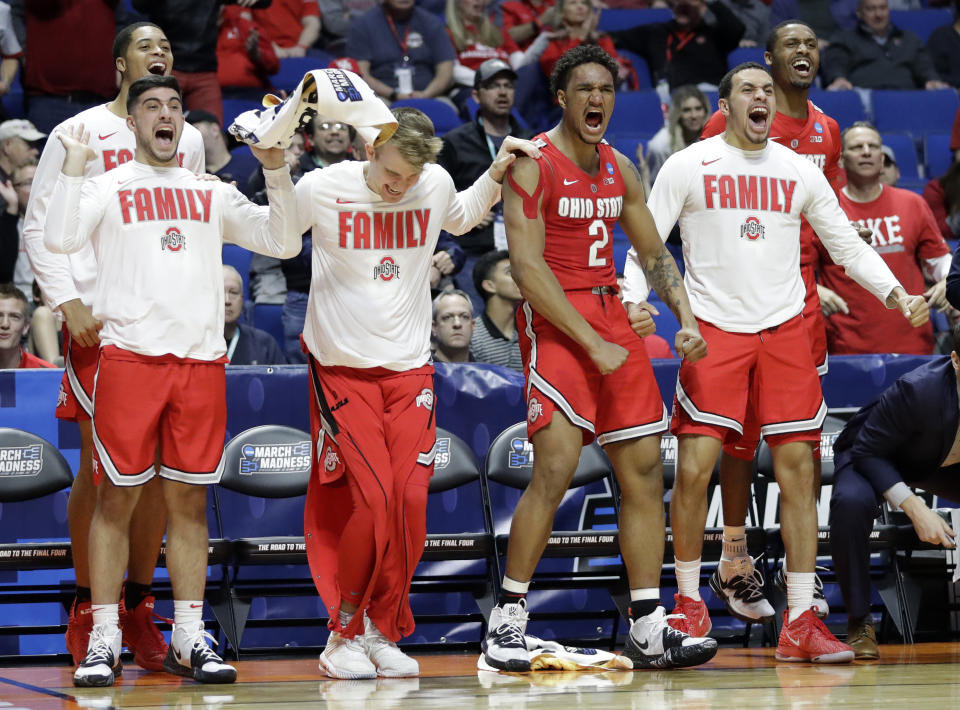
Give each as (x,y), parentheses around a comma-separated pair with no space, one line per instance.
(653,643)
(504,647)
(190,656)
(742,594)
(101,666)
(820,607)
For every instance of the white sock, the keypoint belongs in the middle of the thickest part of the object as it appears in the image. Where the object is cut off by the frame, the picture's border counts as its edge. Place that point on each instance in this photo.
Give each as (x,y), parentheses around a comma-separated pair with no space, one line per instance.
(639,595)
(108,614)
(800,587)
(688,578)
(188,614)
(513,586)
(734,542)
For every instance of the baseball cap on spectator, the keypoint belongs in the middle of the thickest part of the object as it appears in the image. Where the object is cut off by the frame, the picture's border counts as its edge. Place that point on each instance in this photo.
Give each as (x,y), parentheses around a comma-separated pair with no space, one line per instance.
(491,69)
(198,115)
(346,64)
(20,128)
(888,156)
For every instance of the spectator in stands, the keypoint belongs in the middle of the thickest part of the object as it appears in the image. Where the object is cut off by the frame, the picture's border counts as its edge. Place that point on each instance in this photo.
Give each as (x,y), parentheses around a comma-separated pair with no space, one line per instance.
(226,165)
(403,51)
(337,16)
(577,24)
(15,192)
(447,262)
(10,52)
(943,44)
(825,17)
(877,55)
(755,16)
(246,345)
(476,39)
(14,325)
(468,151)
(292,25)
(495,330)
(525,20)
(889,173)
(452,327)
(245,54)
(689,111)
(942,194)
(191,27)
(18,138)
(904,234)
(905,438)
(43,340)
(330,142)
(691,48)
(54,89)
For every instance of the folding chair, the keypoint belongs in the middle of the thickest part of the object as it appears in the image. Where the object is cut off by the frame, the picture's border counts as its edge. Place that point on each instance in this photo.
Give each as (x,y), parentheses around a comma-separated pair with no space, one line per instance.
(574,559)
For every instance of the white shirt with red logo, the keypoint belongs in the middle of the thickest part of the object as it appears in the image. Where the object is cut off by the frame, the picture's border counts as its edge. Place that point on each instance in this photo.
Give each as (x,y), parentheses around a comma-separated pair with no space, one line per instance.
(369,303)
(739,214)
(157,235)
(63,278)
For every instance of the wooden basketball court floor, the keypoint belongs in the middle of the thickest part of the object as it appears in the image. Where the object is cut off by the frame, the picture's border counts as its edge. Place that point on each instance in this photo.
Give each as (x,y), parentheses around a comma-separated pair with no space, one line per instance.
(918,676)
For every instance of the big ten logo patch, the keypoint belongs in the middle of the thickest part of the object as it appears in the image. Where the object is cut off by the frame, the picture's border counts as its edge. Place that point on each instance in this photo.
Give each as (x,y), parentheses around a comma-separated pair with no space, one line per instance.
(21,460)
(275,458)
(521,453)
(442,452)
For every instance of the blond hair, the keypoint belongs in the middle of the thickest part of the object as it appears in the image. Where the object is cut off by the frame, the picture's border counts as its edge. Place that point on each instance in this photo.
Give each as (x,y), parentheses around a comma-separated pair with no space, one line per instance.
(486,32)
(415,140)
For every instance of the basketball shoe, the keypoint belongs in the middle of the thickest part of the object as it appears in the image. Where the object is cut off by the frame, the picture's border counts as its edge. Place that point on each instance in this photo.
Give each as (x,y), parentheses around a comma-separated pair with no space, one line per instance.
(820,606)
(190,656)
(654,643)
(101,665)
(79,626)
(808,639)
(390,661)
(742,594)
(142,636)
(346,658)
(504,646)
(690,617)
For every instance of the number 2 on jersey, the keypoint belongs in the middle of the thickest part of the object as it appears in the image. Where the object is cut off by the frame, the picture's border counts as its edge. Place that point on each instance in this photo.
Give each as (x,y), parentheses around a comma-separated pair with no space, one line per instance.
(598,228)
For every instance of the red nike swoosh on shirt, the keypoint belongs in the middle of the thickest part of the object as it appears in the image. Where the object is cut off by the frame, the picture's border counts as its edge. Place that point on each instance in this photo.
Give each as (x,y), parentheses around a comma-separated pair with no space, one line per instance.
(707,162)
(346,202)
(104,137)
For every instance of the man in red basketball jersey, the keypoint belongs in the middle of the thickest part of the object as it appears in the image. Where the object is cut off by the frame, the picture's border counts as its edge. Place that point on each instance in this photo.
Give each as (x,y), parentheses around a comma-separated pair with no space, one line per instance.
(587,373)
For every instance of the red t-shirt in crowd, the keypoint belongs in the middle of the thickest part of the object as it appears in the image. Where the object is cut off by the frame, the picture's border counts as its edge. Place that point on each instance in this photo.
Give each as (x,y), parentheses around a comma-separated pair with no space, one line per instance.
(905,235)
(32,361)
(517,12)
(282,20)
(473,55)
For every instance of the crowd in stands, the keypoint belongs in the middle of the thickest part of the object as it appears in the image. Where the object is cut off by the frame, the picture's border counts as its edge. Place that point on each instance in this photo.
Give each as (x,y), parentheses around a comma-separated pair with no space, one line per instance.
(488,62)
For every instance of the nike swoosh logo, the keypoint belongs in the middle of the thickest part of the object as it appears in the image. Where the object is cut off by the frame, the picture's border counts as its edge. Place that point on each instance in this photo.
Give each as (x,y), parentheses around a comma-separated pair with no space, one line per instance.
(196,606)
(104,137)
(569,182)
(791,639)
(707,162)
(176,653)
(643,646)
(346,202)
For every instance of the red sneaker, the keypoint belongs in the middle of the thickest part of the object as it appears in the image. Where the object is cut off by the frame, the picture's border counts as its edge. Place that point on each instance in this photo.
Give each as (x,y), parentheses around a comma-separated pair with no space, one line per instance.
(808,639)
(693,619)
(79,627)
(142,636)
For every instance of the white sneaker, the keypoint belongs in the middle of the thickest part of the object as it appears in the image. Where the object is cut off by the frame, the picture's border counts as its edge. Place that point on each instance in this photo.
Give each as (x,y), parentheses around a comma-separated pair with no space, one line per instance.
(101,666)
(504,646)
(742,593)
(190,656)
(346,658)
(653,643)
(390,661)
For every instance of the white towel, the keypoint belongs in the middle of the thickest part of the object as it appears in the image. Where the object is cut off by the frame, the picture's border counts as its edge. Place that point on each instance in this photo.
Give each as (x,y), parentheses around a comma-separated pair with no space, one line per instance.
(331,93)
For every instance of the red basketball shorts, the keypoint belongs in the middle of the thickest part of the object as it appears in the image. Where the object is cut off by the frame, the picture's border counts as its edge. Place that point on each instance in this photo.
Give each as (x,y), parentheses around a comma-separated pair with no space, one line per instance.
(75,401)
(771,372)
(141,401)
(560,377)
(373,422)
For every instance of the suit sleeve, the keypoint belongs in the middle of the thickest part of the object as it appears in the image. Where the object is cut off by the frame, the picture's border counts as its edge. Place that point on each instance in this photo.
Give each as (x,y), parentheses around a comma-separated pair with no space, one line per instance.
(886,430)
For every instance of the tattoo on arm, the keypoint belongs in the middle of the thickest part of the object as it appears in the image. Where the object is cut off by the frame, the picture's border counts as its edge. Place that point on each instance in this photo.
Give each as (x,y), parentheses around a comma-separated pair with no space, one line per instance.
(639,177)
(664,277)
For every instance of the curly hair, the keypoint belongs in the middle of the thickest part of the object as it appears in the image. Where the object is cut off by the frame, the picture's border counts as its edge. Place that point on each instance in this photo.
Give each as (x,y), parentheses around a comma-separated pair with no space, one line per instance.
(573,58)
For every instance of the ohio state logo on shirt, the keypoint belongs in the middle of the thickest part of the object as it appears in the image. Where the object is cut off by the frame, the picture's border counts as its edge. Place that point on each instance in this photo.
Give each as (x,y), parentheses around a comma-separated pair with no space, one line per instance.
(331,460)
(173,240)
(751,229)
(386,270)
(425,398)
(534,410)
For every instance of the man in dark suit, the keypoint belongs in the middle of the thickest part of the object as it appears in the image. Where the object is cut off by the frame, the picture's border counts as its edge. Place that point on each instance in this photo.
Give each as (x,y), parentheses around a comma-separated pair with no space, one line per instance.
(907,438)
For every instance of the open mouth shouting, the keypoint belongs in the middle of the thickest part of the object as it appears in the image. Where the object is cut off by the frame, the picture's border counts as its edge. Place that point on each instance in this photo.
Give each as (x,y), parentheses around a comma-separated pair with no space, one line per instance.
(594,120)
(803,67)
(158,67)
(758,118)
(165,137)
